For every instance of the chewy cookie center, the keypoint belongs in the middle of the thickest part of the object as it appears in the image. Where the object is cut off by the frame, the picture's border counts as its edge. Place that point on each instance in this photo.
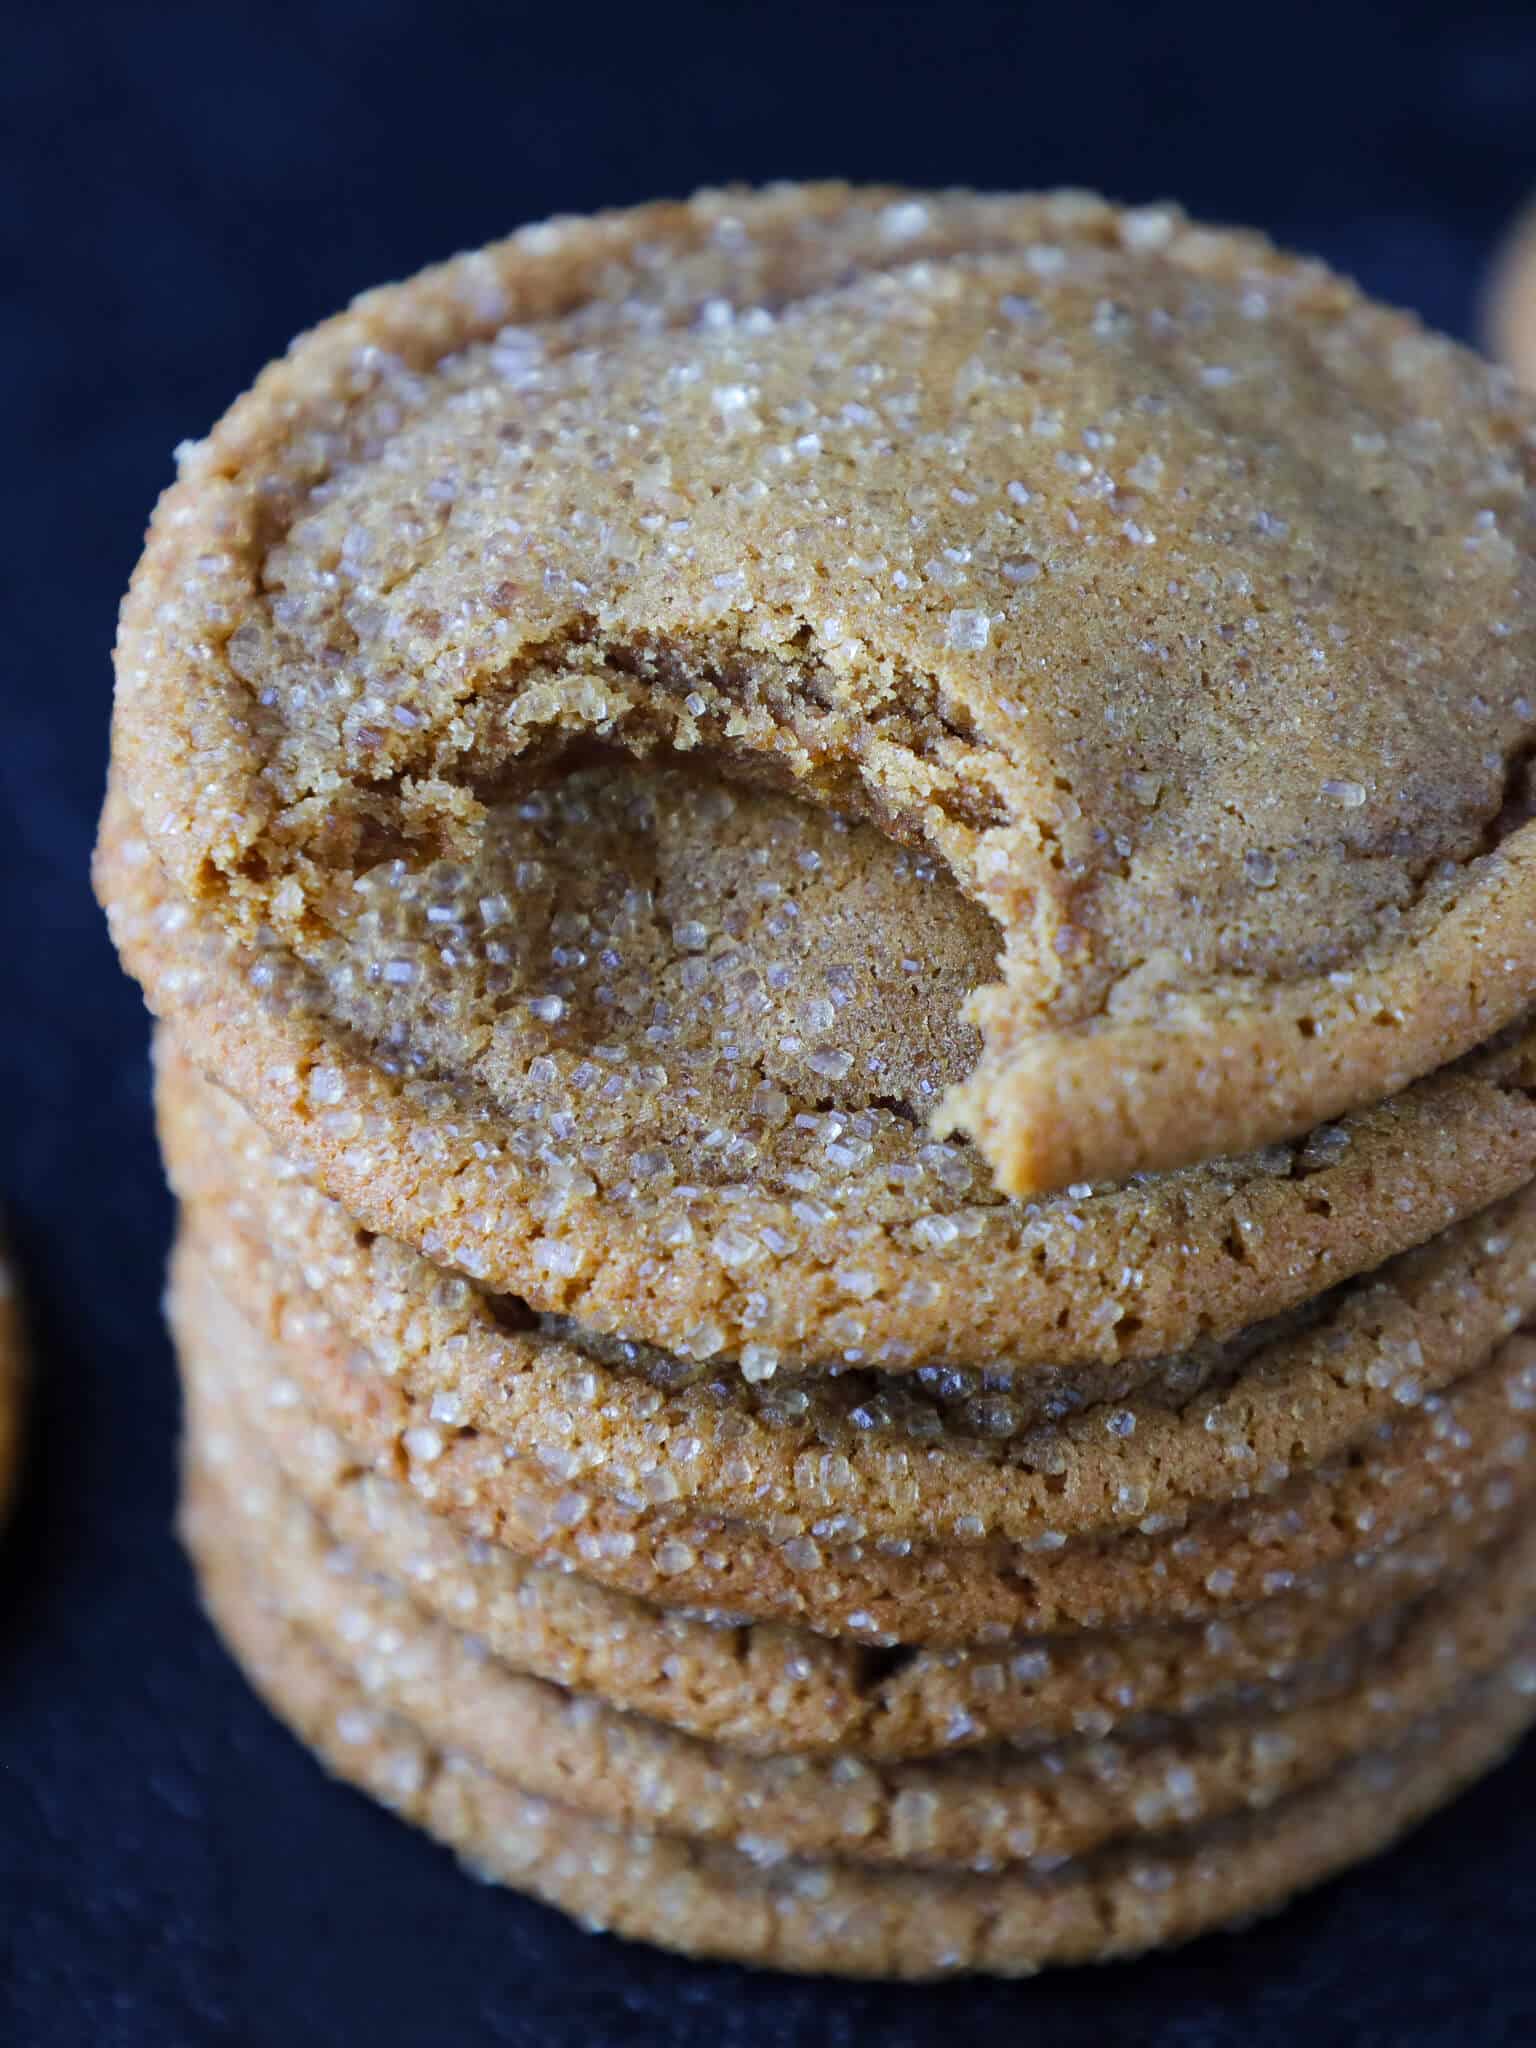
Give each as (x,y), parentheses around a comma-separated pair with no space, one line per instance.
(662,978)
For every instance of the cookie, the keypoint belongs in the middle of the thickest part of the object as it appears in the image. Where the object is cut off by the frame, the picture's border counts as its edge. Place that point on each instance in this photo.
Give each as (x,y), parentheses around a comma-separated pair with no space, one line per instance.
(1463,1455)
(219,1157)
(1021,525)
(1469,1446)
(851,1241)
(708,1900)
(1509,315)
(979,1811)
(875,1457)
(769,1690)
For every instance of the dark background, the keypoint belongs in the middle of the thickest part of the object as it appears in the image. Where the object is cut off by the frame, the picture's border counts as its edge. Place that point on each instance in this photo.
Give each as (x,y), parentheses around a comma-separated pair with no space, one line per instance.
(181,188)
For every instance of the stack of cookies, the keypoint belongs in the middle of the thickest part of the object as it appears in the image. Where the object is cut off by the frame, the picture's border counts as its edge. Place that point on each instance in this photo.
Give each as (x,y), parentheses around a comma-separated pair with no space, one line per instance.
(839,893)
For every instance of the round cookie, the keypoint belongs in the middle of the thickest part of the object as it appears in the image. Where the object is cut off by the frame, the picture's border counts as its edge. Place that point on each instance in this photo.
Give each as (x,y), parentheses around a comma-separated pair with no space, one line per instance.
(867,1456)
(706,1900)
(977,1811)
(1022,524)
(1509,314)
(767,1689)
(1469,1445)
(218,1156)
(13,1374)
(821,1232)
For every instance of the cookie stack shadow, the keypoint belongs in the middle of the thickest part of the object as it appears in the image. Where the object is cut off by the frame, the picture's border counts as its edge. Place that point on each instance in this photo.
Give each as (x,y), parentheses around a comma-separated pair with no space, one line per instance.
(628,1431)
(850,1667)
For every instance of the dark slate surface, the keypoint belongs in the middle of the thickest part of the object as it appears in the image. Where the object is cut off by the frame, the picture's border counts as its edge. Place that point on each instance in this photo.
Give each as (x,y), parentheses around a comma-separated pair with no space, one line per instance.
(184,186)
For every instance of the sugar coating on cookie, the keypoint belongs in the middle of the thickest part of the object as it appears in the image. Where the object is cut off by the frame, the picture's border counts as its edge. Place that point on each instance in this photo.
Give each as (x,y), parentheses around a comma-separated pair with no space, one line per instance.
(980,1810)
(822,1915)
(853,1455)
(1466,1451)
(839,885)
(1175,598)
(749,1218)
(771,1690)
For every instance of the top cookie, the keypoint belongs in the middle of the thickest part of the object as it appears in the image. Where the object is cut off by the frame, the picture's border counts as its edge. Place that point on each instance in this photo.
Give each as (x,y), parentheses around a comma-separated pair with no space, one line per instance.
(1178,599)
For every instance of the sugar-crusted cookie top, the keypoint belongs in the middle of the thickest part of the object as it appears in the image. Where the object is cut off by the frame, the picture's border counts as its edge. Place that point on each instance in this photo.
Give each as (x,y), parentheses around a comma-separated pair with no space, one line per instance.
(1177,598)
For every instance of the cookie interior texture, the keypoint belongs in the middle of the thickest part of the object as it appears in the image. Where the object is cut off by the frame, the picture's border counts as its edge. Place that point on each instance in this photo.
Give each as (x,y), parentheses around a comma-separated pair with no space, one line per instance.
(1021,526)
